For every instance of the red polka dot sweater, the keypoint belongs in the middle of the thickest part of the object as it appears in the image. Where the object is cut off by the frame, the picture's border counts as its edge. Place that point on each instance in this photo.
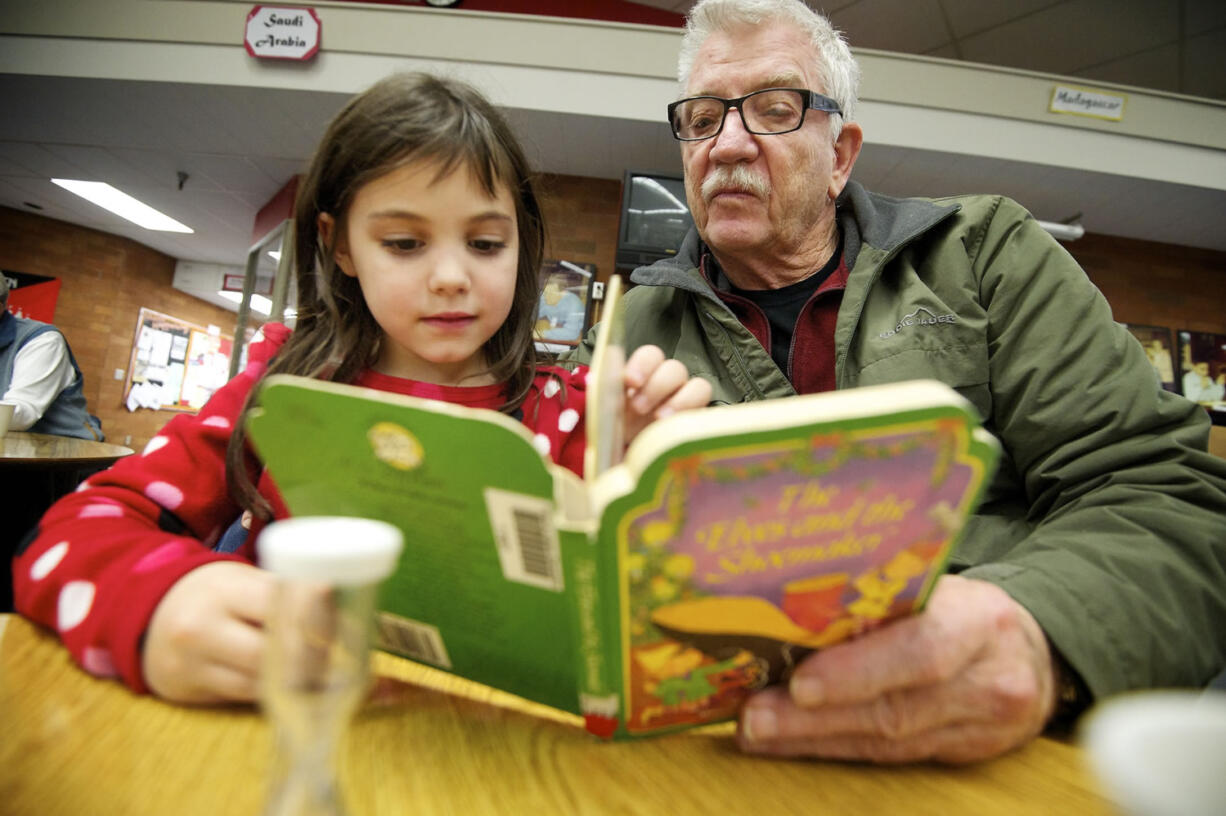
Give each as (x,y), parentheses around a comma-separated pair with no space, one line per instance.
(104,556)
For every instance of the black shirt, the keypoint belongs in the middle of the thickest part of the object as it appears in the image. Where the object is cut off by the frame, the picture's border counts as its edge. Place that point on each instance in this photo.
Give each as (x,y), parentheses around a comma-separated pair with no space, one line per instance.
(782,306)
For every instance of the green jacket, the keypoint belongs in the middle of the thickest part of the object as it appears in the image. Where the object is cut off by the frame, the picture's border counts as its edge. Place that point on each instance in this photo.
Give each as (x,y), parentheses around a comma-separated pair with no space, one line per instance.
(1107,518)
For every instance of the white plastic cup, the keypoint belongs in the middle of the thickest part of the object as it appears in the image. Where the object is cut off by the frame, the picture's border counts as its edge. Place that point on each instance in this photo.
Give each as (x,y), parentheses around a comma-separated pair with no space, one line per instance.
(6,416)
(317,656)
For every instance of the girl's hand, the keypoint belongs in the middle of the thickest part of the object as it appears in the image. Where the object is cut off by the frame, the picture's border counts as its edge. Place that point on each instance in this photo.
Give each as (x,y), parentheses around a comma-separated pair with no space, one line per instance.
(657,387)
(206,637)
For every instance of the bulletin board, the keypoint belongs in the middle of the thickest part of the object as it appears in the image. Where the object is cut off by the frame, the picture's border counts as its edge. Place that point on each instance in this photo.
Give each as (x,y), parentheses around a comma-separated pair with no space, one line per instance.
(174,365)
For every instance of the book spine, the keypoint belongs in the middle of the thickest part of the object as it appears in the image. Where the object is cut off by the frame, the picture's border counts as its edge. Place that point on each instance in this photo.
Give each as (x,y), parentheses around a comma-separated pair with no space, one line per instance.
(600,703)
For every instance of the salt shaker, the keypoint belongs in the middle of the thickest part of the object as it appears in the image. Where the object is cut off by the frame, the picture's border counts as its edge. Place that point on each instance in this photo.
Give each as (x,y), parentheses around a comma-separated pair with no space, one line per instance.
(316,662)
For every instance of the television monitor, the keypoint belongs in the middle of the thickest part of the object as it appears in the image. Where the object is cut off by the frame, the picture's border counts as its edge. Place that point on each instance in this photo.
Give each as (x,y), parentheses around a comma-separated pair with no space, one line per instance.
(654,218)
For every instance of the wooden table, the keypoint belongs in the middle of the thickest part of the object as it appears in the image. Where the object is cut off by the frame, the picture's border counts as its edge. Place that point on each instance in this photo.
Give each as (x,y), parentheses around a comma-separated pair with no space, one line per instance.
(429,743)
(35,470)
(23,449)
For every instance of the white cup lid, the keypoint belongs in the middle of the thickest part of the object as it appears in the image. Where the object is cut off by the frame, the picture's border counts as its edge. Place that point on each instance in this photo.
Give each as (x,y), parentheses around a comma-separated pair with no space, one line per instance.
(1160,753)
(336,549)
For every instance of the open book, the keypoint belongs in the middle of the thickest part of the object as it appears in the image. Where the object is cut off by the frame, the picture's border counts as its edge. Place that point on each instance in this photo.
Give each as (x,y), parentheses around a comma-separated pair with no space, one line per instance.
(660,591)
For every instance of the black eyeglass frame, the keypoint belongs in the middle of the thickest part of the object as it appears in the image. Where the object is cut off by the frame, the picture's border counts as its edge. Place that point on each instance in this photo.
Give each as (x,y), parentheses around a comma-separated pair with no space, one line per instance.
(812,99)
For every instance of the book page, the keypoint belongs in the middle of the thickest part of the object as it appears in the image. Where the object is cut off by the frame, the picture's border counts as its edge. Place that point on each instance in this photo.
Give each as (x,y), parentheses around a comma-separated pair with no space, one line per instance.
(606,396)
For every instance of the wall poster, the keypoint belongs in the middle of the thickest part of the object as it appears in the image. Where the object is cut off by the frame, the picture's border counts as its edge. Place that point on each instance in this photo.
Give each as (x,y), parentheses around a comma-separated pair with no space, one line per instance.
(564,312)
(174,365)
(1156,340)
(1202,365)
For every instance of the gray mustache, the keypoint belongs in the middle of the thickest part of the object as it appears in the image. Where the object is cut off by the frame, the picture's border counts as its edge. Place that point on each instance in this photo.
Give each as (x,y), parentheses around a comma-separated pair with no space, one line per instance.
(736,178)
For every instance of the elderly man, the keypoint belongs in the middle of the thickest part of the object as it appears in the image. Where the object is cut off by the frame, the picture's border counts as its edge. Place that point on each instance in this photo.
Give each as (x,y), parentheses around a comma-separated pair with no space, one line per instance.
(1097,561)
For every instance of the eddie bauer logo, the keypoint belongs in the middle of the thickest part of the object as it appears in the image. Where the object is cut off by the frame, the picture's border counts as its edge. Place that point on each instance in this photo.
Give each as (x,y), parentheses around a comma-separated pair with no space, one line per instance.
(920,317)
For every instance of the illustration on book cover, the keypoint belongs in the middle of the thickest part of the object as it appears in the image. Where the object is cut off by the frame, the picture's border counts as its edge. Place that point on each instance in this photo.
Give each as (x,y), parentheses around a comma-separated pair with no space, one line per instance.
(739,561)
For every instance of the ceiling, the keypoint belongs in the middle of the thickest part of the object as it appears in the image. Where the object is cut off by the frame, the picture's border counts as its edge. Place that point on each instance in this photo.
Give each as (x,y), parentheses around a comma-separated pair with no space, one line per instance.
(1168,45)
(239,145)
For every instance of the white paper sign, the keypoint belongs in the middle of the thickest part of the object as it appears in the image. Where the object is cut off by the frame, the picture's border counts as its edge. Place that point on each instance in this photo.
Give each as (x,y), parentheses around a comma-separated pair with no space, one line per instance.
(282,32)
(1082,102)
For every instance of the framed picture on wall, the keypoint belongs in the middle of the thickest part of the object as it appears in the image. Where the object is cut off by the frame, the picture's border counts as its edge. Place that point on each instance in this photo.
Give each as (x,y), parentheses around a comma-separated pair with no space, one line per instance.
(1156,340)
(565,309)
(174,365)
(1202,366)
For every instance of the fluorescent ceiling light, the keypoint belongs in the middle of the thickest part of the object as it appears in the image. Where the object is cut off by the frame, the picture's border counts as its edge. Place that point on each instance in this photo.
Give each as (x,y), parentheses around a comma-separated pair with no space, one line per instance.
(122,204)
(259,303)
(275,254)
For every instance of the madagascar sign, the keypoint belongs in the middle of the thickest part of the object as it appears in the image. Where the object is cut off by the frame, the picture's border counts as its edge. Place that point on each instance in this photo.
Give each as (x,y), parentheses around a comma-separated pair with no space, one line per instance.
(1085,102)
(282,32)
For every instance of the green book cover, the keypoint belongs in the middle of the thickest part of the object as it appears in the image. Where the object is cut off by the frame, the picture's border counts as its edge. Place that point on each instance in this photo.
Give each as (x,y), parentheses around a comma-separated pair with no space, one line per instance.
(661,591)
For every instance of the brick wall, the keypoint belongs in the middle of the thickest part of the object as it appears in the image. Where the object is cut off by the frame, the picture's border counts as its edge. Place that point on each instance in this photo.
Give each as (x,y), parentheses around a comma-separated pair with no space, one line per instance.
(106,280)
(581,216)
(1157,284)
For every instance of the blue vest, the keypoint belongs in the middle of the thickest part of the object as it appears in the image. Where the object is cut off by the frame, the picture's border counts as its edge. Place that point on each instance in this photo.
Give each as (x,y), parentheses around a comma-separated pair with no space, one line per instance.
(67,414)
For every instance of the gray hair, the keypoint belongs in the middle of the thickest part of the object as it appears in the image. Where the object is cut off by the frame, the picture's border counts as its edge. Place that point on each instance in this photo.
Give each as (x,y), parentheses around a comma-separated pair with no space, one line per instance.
(4,289)
(837,68)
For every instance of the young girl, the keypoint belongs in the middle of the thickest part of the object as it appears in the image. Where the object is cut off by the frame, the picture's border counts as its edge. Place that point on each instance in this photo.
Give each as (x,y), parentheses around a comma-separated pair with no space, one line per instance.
(418,244)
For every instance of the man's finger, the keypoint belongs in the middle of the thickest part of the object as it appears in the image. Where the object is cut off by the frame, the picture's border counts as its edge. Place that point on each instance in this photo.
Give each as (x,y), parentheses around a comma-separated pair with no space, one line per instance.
(987,692)
(956,744)
(930,647)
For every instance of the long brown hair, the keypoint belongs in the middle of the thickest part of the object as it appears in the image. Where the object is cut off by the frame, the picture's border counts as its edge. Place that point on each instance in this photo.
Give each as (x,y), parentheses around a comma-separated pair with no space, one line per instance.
(405,118)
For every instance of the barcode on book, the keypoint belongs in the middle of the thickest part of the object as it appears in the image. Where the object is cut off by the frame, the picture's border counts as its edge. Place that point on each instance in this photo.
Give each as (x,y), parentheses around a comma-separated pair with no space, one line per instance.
(527,541)
(413,639)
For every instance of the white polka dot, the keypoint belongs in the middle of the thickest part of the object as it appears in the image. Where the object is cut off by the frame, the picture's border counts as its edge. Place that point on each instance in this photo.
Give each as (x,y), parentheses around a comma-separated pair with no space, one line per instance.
(83,486)
(98,662)
(541,443)
(217,422)
(165,494)
(48,561)
(100,511)
(76,599)
(551,389)
(155,444)
(567,420)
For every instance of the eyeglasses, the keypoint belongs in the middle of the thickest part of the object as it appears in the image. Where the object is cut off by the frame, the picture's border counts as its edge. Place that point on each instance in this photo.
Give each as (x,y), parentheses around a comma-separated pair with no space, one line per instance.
(766,113)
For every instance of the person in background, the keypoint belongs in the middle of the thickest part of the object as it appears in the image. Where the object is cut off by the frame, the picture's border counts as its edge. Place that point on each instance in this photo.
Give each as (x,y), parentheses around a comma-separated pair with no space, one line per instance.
(1160,358)
(419,243)
(39,375)
(1198,386)
(1096,562)
(560,314)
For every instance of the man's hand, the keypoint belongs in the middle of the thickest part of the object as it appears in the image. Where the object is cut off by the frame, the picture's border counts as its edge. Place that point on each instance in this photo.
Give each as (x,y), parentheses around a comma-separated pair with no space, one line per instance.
(206,637)
(657,387)
(968,678)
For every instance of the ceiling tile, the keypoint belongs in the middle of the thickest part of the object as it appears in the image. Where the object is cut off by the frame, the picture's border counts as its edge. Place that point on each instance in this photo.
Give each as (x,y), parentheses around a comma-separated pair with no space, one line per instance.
(1073,36)
(1157,68)
(1202,16)
(972,16)
(29,159)
(1204,68)
(915,26)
